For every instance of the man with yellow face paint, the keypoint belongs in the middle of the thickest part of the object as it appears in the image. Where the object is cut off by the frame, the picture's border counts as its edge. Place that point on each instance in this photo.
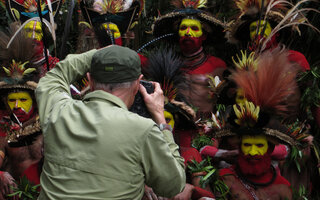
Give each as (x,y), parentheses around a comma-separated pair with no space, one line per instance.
(21,141)
(198,65)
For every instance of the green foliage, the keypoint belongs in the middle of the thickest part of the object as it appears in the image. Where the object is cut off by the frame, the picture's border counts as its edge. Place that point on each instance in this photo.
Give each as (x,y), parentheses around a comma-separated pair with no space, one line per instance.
(301,194)
(221,107)
(295,157)
(211,178)
(201,140)
(203,166)
(311,94)
(25,190)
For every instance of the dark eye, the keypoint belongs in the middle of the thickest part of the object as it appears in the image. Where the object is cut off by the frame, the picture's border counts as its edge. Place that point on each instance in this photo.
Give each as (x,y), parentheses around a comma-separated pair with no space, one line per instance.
(253,28)
(12,100)
(195,28)
(260,145)
(183,27)
(168,120)
(247,144)
(23,99)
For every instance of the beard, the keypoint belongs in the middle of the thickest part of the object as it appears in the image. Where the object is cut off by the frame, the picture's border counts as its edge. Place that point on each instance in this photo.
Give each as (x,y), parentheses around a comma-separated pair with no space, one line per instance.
(189,45)
(23,115)
(260,39)
(118,41)
(254,165)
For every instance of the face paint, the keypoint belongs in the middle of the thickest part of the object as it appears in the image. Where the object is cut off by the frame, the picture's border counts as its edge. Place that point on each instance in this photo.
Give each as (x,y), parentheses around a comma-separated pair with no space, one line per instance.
(115,32)
(169,118)
(254,145)
(256,30)
(240,98)
(33,30)
(190,27)
(20,100)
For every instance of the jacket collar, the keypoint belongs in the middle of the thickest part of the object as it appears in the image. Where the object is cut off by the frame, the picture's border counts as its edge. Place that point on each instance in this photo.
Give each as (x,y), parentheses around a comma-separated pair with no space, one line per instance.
(99,95)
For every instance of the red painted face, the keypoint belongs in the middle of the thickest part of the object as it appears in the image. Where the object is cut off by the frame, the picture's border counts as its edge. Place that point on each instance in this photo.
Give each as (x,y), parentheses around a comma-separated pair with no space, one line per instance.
(189,45)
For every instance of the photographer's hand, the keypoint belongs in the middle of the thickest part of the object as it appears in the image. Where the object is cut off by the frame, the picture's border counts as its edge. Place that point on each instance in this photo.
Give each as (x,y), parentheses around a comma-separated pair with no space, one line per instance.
(154,102)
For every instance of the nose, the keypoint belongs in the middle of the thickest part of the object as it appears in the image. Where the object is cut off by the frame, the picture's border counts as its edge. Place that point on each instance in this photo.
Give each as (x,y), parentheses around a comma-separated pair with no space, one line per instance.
(253,151)
(188,31)
(17,104)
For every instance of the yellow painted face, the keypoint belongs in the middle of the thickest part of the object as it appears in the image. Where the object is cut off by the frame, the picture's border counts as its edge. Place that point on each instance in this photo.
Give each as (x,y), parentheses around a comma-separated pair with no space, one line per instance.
(254,145)
(190,27)
(33,30)
(255,30)
(240,98)
(169,118)
(21,100)
(113,28)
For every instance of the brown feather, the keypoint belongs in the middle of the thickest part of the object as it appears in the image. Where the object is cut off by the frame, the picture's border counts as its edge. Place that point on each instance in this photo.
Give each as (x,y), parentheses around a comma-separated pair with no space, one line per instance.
(22,49)
(273,85)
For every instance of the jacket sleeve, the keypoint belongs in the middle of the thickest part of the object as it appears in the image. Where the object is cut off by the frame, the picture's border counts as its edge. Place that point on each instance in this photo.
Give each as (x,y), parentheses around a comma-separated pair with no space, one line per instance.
(163,165)
(54,87)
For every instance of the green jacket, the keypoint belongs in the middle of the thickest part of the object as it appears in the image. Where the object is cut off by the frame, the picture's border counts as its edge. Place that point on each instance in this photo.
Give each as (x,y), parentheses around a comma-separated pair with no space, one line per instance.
(96,148)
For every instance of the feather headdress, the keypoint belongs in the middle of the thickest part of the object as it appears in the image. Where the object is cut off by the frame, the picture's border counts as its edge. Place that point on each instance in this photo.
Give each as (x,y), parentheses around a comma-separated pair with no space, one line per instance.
(279,13)
(271,83)
(17,68)
(26,11)
(120,12)
(271,92)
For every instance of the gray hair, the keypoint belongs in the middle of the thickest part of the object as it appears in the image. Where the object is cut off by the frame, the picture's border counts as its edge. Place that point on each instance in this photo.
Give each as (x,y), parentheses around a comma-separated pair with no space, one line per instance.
(113,86)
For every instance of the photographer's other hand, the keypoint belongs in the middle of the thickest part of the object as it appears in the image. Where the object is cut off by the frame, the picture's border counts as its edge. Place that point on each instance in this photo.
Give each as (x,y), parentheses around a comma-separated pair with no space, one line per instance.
(154,102)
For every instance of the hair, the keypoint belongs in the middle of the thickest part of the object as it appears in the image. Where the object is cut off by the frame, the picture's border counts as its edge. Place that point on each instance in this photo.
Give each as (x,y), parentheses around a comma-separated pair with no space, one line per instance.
(113,86)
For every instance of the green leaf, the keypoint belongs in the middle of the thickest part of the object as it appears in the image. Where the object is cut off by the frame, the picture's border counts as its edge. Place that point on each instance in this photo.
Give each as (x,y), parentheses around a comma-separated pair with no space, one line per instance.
(210,173)
(298,166)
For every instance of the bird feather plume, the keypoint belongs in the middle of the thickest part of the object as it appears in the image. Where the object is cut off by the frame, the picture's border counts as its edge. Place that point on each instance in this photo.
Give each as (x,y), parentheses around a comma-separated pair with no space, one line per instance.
(164,67)
(272,85)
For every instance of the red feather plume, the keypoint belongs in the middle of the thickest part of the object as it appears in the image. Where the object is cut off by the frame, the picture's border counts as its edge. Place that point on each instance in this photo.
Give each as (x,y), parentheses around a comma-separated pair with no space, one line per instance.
(273,86)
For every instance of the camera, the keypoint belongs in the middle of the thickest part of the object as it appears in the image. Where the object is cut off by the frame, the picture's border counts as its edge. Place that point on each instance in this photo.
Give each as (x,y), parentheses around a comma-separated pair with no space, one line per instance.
(138,105)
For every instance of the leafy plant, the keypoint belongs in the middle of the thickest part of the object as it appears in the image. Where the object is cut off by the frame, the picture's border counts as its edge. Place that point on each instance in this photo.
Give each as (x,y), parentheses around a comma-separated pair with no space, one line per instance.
(311,94)
(211,178)
(25,190)
(301,194)
(201,140)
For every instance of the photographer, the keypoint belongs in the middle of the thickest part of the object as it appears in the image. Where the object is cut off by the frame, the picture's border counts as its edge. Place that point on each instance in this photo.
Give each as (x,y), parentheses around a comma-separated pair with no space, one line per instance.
(96,148)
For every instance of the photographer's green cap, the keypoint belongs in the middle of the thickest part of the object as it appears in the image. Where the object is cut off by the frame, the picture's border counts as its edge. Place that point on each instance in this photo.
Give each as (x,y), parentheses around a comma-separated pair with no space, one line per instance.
(115,64)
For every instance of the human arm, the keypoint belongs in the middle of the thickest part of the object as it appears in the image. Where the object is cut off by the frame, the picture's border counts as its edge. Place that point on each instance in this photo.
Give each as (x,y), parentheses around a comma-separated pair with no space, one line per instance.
(218,153)
(54,87)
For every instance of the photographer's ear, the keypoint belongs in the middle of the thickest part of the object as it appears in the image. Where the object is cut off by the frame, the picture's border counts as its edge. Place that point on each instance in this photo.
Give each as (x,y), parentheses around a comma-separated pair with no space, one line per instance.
(138,84)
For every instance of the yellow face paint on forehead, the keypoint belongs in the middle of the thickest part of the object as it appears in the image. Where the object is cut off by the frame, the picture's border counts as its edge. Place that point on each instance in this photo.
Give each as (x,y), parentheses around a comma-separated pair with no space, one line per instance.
(255,29)
(190,27)
(21,100)
(113,28)
(33,30)
(254,145)
(169,118)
